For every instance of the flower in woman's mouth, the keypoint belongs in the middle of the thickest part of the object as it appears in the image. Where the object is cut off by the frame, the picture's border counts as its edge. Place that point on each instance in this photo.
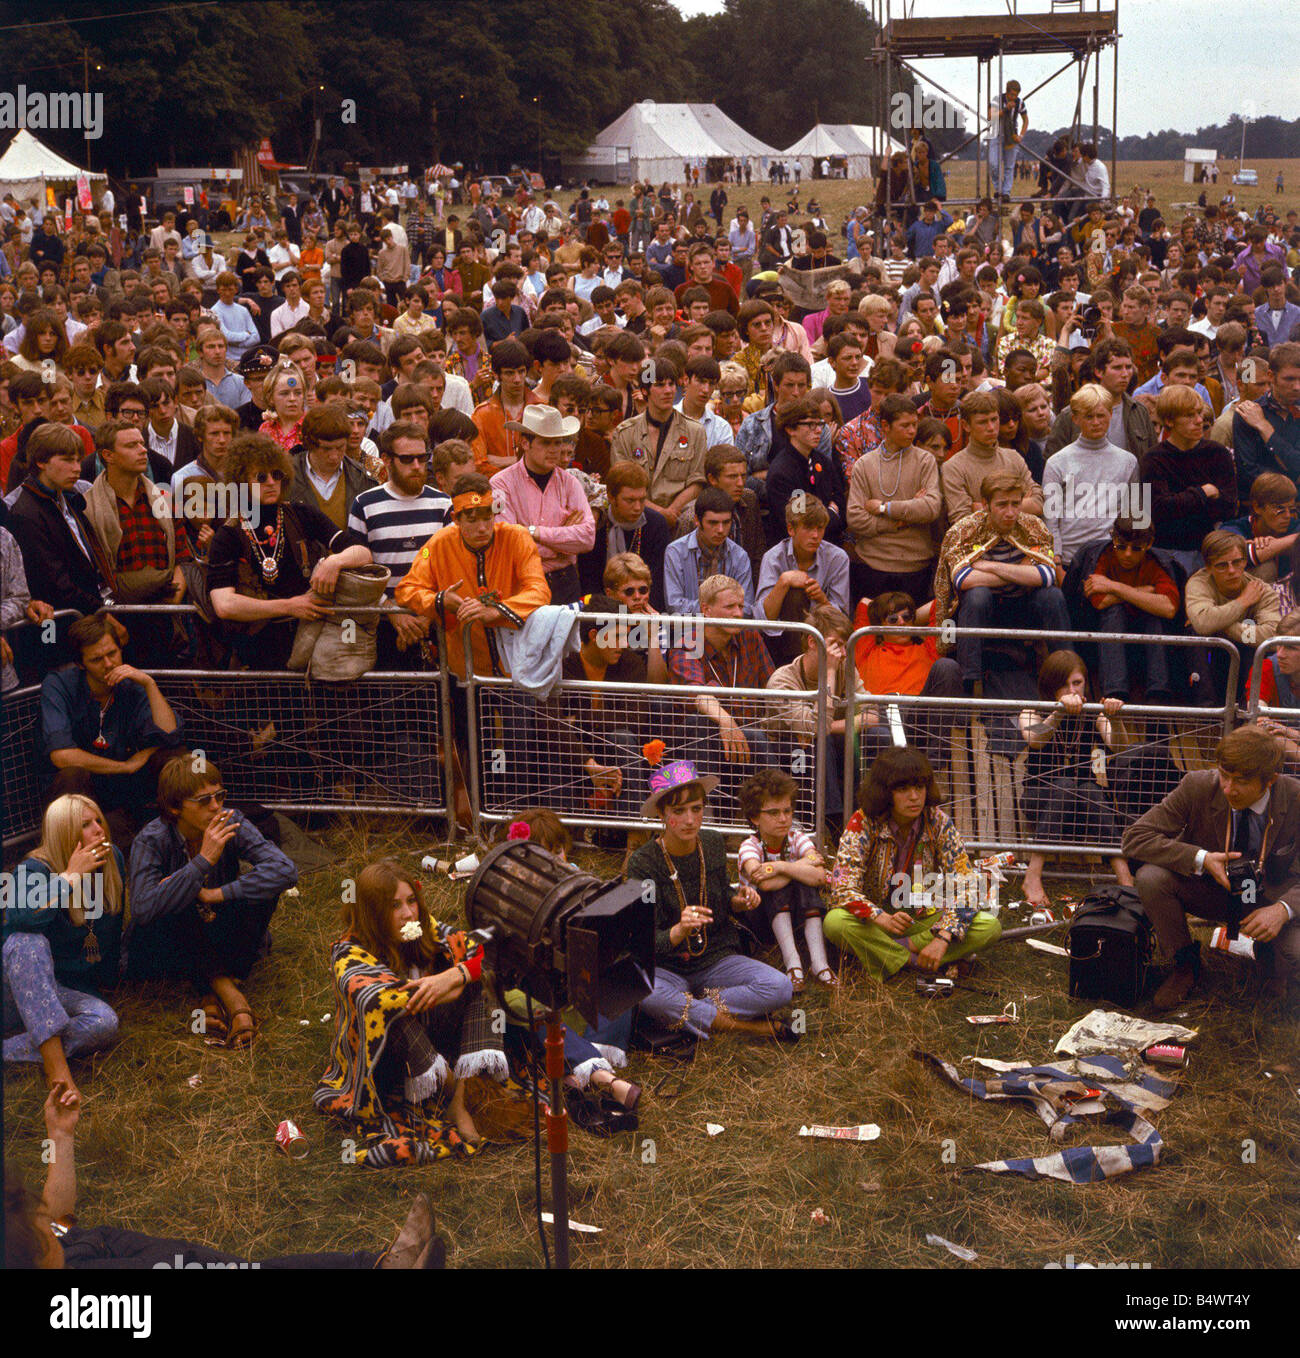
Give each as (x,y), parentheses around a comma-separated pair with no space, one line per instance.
(411,931)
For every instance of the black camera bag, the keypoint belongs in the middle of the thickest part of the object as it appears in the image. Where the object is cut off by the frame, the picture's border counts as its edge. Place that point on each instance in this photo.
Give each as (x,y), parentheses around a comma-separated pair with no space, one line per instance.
(1110,947)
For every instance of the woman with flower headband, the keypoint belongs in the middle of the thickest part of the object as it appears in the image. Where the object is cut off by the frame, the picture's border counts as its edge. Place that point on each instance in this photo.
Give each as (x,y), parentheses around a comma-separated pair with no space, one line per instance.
(63,935)
(411,1029)
(703,981)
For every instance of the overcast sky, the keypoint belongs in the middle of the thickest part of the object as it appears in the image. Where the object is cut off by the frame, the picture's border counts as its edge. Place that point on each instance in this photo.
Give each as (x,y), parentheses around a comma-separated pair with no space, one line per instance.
(1182,64)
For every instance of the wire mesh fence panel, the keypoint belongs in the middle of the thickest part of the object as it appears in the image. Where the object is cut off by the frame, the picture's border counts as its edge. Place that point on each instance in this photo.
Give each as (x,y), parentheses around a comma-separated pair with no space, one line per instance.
(580,752)
(371,745)
(22,759)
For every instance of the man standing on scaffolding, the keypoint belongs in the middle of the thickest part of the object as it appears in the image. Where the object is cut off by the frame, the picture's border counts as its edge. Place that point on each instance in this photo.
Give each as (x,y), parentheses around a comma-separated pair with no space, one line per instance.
(1008,123)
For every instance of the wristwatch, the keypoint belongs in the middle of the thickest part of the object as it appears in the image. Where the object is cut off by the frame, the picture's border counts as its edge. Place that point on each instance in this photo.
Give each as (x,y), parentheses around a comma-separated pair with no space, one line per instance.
(532,531)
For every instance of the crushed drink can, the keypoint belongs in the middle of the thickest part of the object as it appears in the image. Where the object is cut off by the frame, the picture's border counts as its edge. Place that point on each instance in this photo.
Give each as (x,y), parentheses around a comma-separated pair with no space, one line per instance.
(1237,947)
(291,1140)
(1042,917)
(1166,1054)
(980,1020)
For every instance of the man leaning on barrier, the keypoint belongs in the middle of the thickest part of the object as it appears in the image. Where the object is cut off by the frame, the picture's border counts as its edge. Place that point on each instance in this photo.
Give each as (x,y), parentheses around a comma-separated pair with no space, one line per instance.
(1225,845)
(106,727)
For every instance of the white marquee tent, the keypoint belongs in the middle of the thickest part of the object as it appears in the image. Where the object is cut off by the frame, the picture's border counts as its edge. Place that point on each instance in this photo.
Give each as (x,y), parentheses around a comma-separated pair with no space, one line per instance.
(655,142)
(1196,163)
(28,166)
(857,144)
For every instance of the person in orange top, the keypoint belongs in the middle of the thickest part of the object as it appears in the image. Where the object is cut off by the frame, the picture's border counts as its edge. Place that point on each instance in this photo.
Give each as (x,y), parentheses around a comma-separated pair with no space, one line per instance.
(475,570)
(496,446)
(311,259)
(898,663)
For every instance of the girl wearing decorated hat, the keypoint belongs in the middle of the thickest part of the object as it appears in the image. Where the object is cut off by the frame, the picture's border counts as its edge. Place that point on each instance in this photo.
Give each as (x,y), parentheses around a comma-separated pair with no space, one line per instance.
(703,981)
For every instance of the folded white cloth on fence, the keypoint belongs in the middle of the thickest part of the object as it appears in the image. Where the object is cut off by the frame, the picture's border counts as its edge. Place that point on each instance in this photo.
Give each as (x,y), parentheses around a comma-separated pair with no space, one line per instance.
(534,653)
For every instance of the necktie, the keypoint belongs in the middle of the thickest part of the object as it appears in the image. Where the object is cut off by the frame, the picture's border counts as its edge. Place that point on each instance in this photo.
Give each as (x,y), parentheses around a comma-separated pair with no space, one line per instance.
(1245,841)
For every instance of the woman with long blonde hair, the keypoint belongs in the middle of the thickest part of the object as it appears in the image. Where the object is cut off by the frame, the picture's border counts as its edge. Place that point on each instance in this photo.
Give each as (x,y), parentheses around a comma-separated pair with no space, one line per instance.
(62,940)
(285,392)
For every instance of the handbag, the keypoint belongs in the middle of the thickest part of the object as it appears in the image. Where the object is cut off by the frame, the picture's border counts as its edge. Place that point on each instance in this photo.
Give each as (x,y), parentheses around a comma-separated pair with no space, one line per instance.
(1110,943)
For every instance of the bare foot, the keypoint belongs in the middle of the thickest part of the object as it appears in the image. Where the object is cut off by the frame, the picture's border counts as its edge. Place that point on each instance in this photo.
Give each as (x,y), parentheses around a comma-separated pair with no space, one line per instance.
(460,1116)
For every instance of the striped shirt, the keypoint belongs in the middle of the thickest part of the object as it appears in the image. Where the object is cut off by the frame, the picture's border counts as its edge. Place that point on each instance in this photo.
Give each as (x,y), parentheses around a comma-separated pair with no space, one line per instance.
(395,527)
(753,852)
(1009,552)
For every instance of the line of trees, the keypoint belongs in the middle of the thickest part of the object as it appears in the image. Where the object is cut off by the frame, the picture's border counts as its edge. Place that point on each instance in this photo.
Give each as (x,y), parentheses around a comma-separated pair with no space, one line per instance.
(484,81)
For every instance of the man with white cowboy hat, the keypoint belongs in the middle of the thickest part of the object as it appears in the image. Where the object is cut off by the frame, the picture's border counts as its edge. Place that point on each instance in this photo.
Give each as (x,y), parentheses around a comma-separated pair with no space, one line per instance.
(538,493)
(703,981)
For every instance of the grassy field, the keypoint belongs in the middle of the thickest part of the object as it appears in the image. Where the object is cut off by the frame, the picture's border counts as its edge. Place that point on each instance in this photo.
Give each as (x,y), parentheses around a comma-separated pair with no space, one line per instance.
(1164,178)
(200,1163)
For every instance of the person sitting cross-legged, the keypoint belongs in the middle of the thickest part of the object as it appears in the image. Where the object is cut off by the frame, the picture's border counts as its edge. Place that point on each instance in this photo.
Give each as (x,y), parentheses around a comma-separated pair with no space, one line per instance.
(898,830)
(703,981)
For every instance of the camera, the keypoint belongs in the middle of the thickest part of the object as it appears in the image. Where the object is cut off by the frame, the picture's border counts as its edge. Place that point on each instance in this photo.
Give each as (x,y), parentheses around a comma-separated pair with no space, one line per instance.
(1243,892)
(1089,321)
(939,985)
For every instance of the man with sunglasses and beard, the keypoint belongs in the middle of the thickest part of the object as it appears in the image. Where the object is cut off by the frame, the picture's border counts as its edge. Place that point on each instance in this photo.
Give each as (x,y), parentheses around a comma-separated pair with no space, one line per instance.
(395,520)
(277,563)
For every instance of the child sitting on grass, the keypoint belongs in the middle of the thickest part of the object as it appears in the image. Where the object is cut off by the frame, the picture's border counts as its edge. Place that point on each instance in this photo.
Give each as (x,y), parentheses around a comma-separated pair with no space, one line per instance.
(782,863)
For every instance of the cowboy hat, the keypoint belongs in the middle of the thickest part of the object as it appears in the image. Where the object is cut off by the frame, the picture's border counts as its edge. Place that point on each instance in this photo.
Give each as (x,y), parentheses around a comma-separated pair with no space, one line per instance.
(545,422)
(681,773)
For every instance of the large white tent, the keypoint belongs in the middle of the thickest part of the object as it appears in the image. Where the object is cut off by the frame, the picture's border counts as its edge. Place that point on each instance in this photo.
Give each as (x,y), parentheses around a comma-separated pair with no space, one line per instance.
(28,166)
(856,144)
(655,142)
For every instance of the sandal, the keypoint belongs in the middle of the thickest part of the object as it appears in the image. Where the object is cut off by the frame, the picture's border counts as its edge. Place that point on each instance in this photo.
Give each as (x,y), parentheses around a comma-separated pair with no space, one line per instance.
(827,977)
(215,1025)
(241,1039)
(783,1032)
(796,979)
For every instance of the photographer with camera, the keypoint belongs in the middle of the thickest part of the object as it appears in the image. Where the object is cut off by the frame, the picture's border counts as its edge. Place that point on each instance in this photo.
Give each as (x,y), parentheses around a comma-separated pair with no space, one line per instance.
(1225,845)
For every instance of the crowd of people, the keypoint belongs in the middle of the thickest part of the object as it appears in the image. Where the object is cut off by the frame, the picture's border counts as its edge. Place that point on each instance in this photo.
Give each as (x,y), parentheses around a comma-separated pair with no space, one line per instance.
(984,421)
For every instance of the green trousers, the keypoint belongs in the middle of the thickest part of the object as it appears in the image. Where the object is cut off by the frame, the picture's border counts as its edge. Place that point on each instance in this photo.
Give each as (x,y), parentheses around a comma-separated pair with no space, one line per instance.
(882,954)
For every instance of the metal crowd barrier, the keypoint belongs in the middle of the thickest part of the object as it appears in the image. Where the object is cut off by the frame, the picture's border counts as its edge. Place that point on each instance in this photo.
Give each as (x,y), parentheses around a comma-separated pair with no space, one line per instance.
(525,751)
(986,769)
(383,743)
(377,745)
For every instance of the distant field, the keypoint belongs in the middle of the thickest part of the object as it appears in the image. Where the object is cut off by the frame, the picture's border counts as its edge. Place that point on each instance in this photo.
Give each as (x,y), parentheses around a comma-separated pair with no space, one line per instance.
(1164,178)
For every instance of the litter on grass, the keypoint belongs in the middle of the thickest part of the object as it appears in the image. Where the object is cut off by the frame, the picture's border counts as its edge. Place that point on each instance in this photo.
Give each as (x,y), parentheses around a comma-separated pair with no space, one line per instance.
(549,1219)
(1104,1030)
(864,1131)
(1038,945)
(714,1128)
(965,1255)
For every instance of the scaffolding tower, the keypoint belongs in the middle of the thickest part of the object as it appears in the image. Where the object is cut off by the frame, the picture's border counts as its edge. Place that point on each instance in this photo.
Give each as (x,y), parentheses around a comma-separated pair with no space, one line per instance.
(1079,31)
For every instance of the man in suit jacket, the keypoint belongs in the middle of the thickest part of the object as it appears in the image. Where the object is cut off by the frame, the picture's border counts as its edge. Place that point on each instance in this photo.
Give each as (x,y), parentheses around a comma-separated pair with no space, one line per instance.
(1240,811)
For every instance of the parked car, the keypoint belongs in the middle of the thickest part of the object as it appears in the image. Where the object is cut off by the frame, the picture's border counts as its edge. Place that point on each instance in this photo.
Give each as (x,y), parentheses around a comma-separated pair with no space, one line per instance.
(1250,177)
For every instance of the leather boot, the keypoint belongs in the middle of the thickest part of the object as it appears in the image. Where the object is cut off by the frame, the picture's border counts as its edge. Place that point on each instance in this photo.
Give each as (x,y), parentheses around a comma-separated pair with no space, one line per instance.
(1178,984)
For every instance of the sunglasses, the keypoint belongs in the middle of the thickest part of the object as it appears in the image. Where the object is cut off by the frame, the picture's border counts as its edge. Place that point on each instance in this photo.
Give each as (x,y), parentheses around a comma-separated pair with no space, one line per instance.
(263,477)
(414,460)
(217,798)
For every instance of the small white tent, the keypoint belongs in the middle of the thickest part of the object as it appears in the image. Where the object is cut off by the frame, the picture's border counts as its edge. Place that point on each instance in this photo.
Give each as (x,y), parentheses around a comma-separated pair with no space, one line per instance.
(854,146)
(28,166)
(656,142)
(1196,164)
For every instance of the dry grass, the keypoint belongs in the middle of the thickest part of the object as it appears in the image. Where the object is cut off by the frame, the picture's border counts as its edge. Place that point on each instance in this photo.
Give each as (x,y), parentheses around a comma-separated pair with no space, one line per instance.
(157,1156)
